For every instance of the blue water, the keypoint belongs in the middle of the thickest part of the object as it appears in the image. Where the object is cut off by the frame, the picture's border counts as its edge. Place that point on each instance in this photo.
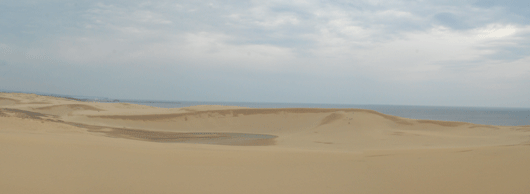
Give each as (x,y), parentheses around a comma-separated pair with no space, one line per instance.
(477,115)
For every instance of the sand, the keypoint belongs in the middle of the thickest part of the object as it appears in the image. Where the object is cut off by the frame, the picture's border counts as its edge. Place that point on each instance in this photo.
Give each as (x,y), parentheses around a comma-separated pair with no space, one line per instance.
(57,145)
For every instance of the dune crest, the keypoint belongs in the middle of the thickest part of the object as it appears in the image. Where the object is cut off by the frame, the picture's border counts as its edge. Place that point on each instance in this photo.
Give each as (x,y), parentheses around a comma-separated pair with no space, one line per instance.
(65,109)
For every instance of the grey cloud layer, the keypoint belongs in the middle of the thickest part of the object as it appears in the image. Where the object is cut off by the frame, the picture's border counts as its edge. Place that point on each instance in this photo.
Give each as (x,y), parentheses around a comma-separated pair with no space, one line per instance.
(393,42)
(295,25)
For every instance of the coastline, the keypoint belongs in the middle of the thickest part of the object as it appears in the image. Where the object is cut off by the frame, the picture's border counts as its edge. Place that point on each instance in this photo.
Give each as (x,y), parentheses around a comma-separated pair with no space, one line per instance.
(504,116)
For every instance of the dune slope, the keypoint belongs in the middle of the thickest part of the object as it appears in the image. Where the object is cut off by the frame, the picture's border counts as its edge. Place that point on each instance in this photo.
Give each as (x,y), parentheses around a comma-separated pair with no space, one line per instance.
(56,145)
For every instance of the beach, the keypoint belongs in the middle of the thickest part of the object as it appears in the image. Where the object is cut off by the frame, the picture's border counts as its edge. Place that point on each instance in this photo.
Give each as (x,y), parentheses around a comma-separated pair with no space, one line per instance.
(57,145)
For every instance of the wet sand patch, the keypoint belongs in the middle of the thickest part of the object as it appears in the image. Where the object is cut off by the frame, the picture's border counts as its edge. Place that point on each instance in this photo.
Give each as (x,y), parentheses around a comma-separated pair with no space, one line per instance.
(240,139)
(236,139)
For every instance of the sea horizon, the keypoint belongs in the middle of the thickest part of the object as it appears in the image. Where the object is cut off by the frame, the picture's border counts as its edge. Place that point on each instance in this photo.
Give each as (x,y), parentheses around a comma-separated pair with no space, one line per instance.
(503,116)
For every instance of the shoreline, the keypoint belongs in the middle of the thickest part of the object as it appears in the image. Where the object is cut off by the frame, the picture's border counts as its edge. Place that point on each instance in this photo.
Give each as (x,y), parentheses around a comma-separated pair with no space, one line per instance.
(477,115)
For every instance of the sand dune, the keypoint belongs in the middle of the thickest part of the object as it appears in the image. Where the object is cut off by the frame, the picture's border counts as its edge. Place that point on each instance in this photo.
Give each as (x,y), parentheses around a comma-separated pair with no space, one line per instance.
(65,109)
(55,145)
(7,101)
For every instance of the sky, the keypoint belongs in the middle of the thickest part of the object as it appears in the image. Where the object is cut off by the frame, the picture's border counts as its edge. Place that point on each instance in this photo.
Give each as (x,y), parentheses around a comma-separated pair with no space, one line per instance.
(399,52)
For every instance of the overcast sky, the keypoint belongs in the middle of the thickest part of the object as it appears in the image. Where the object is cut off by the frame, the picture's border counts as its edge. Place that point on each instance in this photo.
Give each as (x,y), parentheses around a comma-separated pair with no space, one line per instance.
(448,53)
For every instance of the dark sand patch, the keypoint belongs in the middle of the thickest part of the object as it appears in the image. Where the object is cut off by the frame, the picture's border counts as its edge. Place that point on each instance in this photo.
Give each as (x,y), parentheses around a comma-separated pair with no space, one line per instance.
(398,133)
(25,114)
(378,155)
(483,126)
(443,123)
(70,106)
(38,103)
(65,109)
(330,118)
(2,114)
(521,128)
(236,139)
(240,139)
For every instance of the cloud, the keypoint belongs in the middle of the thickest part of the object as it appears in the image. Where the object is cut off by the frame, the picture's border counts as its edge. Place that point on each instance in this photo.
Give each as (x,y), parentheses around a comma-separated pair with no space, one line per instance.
(451,20)
(514,10)
(393,42)
(302,29)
